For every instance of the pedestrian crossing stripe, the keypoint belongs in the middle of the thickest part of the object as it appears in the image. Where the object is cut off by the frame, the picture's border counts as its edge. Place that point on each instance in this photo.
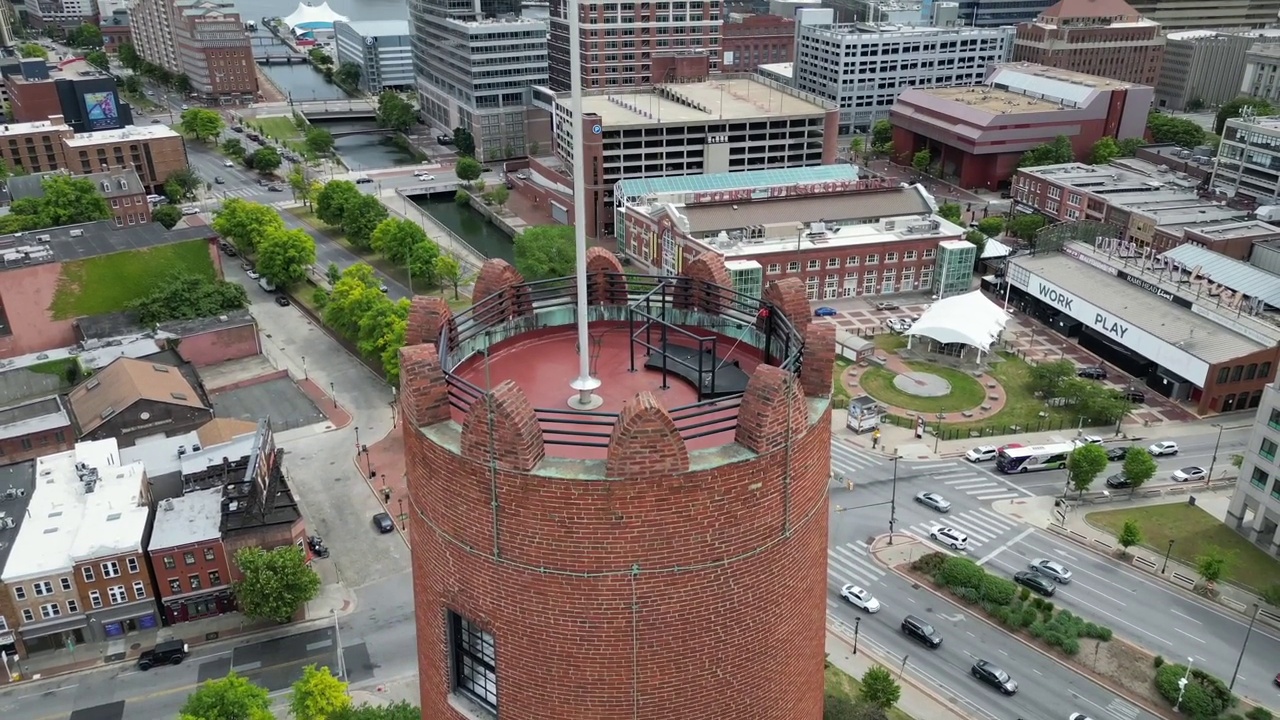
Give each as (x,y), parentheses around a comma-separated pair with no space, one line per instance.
(980,525)
(850,563)
(846,459)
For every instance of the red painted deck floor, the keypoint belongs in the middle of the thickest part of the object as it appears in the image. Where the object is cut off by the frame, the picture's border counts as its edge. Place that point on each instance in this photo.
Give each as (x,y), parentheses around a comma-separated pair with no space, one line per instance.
(545,364)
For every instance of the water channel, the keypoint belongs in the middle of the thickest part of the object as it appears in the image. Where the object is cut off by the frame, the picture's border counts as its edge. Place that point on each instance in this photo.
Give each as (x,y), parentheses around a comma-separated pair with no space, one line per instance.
(463,221)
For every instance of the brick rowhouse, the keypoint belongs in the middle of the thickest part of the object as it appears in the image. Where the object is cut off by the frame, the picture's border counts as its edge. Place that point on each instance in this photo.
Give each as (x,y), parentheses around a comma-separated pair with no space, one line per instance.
(606,583)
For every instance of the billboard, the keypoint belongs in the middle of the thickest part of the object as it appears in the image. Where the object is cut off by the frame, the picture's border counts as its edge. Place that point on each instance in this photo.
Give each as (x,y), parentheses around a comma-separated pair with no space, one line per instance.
(101,111)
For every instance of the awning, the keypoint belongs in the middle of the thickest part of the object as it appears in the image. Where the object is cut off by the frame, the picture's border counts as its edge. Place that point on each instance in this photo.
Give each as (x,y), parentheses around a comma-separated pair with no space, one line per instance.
(116,613)
(31,631)
(970,319)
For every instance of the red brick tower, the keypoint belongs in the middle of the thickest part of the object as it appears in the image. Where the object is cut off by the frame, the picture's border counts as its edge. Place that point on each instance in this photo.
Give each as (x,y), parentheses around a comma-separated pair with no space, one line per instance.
(661,557)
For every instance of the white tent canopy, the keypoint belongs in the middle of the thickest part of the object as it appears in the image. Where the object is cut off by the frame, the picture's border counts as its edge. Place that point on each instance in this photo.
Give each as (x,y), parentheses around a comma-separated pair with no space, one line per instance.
(970,319)
(307,17)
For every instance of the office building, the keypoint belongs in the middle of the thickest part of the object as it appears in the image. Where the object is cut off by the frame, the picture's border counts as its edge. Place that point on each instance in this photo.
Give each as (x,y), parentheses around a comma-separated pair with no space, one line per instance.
(1150,205)
(87,98)
(841,235)
(978,134)
(1106,38)
(1000,13)
(476,70)
(641,609)
(1261,72)
(1255,505)
(862,68)
(728,124)
(1201,69)
(748,41)
(202,39)
(1249,160)
(1174,15)
(61,15)
(155,152)
(381,49)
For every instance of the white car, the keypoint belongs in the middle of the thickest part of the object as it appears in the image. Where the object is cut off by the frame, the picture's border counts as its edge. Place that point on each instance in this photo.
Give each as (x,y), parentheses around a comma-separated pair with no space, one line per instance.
(860,598)
(950,537)
(1089,440)
(1194,472)
(1079,716)
(185,107)
(190,210)
(253,274)
(1164,447)
(228,163)
(426,178)
(982,453)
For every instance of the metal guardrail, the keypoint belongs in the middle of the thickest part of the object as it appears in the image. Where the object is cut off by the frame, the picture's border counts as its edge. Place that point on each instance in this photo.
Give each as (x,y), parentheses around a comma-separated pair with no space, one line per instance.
(553,303)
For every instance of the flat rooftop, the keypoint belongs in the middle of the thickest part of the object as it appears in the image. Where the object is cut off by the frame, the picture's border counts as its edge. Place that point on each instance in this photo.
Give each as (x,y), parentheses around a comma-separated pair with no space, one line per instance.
(747,179)
(727,98)
(994,101)
(94,239)
(1169,197)
(34,417)
(32,127)
(857,206)
(1232,230)
(785,69)
(17,487)
(129,133)
(66,524)
(191,518)
(1196,335)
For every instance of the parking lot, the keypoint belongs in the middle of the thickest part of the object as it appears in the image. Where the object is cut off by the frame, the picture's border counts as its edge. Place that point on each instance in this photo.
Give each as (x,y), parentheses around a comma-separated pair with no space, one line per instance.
(281,400)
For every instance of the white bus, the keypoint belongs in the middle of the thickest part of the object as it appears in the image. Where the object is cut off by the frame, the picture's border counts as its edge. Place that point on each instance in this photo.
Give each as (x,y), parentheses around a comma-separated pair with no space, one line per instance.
(1036,457)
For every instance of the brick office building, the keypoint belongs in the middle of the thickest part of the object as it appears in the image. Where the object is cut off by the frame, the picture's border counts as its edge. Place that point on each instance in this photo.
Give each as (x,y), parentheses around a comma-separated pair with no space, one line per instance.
(193,572)
(748,41)
(34,428)
(641,613)
(155,152)
(977,135)
(1107,38)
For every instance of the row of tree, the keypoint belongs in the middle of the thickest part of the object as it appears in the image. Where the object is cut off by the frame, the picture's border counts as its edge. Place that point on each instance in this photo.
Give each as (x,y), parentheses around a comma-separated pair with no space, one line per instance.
(64,200)
(1056,381)
(129,57)
(282,255)
(317,695)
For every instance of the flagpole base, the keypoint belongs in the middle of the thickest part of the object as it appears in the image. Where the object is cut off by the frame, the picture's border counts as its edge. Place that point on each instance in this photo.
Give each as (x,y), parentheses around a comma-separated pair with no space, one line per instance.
(585,399)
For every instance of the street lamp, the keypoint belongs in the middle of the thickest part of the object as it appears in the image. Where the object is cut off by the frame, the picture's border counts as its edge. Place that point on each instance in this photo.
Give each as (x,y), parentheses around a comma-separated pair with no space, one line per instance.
(1182,687)
(856,622)
(893,499)
(1209,478)
(357,429)
(1167,553)
(305,376)
(1243,645)
(401,513)
(342,663)
(937,433)
(333,394)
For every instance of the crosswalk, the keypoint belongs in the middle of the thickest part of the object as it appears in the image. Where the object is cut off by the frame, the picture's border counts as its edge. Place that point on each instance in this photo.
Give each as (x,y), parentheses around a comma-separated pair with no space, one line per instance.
(848,460)
(981,525)
(1122,710)
(850,563)
(962,477)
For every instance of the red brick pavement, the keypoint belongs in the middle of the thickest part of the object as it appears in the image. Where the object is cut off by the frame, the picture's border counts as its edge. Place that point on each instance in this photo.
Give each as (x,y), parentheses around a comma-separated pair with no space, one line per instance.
(336,414)
(386,457)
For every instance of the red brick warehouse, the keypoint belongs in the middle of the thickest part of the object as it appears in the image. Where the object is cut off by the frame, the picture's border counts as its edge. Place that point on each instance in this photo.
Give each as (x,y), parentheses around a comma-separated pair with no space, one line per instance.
(571,565)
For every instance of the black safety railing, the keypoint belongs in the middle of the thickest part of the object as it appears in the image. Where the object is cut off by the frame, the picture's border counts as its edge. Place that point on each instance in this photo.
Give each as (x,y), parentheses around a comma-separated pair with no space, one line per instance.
(675,302)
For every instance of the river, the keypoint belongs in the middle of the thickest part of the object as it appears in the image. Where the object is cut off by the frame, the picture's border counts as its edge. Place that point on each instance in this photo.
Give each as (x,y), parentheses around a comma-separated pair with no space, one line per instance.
(465,222)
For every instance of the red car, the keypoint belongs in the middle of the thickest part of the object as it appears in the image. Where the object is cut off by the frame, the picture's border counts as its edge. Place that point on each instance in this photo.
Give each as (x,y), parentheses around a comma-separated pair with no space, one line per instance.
(1010,446)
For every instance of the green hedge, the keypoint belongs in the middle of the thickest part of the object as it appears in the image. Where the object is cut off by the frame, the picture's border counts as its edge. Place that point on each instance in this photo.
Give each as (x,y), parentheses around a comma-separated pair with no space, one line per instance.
(1205,698)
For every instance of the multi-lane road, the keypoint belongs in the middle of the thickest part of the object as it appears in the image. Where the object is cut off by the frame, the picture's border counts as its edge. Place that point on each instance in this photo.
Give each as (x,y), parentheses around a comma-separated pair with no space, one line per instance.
(1142,610)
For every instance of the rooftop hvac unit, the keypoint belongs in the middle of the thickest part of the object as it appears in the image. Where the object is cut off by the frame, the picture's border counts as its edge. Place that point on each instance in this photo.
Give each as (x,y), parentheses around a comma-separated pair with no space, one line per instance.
(6,522)
(13,493)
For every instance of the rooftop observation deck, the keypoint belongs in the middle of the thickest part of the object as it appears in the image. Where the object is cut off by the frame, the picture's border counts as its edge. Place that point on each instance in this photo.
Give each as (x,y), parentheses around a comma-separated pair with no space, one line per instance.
(694,345)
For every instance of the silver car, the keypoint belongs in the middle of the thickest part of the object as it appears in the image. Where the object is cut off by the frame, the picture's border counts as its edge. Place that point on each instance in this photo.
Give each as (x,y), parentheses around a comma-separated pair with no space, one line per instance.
(1055,571)
(933,500)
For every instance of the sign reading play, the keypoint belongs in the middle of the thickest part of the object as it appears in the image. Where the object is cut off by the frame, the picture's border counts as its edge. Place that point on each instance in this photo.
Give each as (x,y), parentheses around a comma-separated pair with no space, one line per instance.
(1100,321)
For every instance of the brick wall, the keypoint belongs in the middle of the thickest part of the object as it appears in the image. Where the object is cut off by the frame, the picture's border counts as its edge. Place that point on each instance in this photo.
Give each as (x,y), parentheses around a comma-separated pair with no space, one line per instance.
(220,345)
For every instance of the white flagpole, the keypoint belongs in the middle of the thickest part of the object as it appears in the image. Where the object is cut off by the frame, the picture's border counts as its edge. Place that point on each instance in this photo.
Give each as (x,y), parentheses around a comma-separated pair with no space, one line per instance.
(585,385)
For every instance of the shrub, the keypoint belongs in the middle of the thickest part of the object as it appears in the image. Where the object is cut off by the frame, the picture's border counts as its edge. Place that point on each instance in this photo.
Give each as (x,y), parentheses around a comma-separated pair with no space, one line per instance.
(1004,615)
(1027,617)
(1097,632)
(966,594)
(929,564)
(998,590)
(1036,628)
(1259,713)
(1069,645)
(1037,602)
(1026,593)
(1158,661)
(959,572)
(1048,606)
(1205,698)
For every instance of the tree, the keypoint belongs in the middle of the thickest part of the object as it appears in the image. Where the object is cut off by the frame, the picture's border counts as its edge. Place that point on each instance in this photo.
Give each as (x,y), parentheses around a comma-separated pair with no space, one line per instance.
(319,140)
(352,298)
(318,695)
(882,136)
(233,147)
(1084,465)
(920,161)
(1179,131)
(244,223)
(464,142)
(394,112)
(1212,564)
(951,211)
(1025,227)
(1234,109)
(299,183)
(1271,595)
(393,238)
(879,688)
(1138,467)
(396,711)
(274,583)
(1104,151)
(856,145)
(201,124)
(1055,152)
(128,56)
(332,200)
(183,296)
(132,84)
(230,698)
(319,57)
(422,261)
(545,251)
(535,148)
(499,195)
(449,271)
(1129,146)
(285,255)
(978,240)
(64,200)
(991,226)
(265,160)
(32,50)
(1130,534)
(333,273)
(98,59)
(182,185)
(348,74)
(1047,378)
(87,35)
(360,218)
(167,215)
(467,169)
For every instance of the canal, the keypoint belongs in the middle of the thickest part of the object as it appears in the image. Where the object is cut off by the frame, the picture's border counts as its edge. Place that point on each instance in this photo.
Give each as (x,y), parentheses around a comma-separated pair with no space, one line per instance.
(465,222)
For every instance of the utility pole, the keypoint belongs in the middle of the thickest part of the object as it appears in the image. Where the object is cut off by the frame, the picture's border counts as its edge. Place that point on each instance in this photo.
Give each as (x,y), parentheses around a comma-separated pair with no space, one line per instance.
(893,498)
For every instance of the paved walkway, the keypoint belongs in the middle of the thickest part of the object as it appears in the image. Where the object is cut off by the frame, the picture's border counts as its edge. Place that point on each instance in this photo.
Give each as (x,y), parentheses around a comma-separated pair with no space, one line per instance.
(989,407)
(390,486)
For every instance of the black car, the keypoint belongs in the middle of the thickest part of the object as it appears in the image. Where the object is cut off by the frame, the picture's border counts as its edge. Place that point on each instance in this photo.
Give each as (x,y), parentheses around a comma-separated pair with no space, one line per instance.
(363,180)
(318,548)
(383,522)
(1117,453)
(275,188)
(282,300)
(1035,581)
(237,129)
(1093,373)
(1119,481)
(1135,396)
(914,627)
(168,652)
(995,677)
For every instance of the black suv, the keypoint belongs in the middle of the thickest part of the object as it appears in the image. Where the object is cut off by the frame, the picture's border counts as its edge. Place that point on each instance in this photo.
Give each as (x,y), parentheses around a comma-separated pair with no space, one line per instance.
(1093,373)
(913,626)
(1119,481)
(169,652)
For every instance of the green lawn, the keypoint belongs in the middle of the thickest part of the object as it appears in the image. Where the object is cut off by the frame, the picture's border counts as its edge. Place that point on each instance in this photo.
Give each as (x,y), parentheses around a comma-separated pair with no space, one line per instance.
(108,283)
(889,342)
(966,392)
(841,684)
(280,127)
(1192,530)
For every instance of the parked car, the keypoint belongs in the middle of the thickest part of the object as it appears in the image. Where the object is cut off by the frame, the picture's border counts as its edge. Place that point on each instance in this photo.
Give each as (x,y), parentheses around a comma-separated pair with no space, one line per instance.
(1079,716)
(167,652)
(1051,569)
(1035,581)
(383,523)
(318,548)
(1164,447)
(228,163)
(995,677)
(1118,453)
(1193,472)
(363,180)
(982,453)
(383,288)
(1093,373)
(860,598)
(950,537)
(1135,396)
(186,107)
(190,210)
(1119,481)
(886,305)
(1089,440)
(922,631)
(934,501)
(253,274)
(825,312)
(237,129)
(898,325)
(275,188)
(282,300)
(217,179)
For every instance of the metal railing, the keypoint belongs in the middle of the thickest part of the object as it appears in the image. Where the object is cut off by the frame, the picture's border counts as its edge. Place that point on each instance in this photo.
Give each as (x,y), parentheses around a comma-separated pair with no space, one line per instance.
(543,304)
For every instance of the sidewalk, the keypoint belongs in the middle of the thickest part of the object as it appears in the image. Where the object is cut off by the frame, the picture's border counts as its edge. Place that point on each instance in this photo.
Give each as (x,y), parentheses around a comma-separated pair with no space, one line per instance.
(333,598)
(916,701)
(390,486)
